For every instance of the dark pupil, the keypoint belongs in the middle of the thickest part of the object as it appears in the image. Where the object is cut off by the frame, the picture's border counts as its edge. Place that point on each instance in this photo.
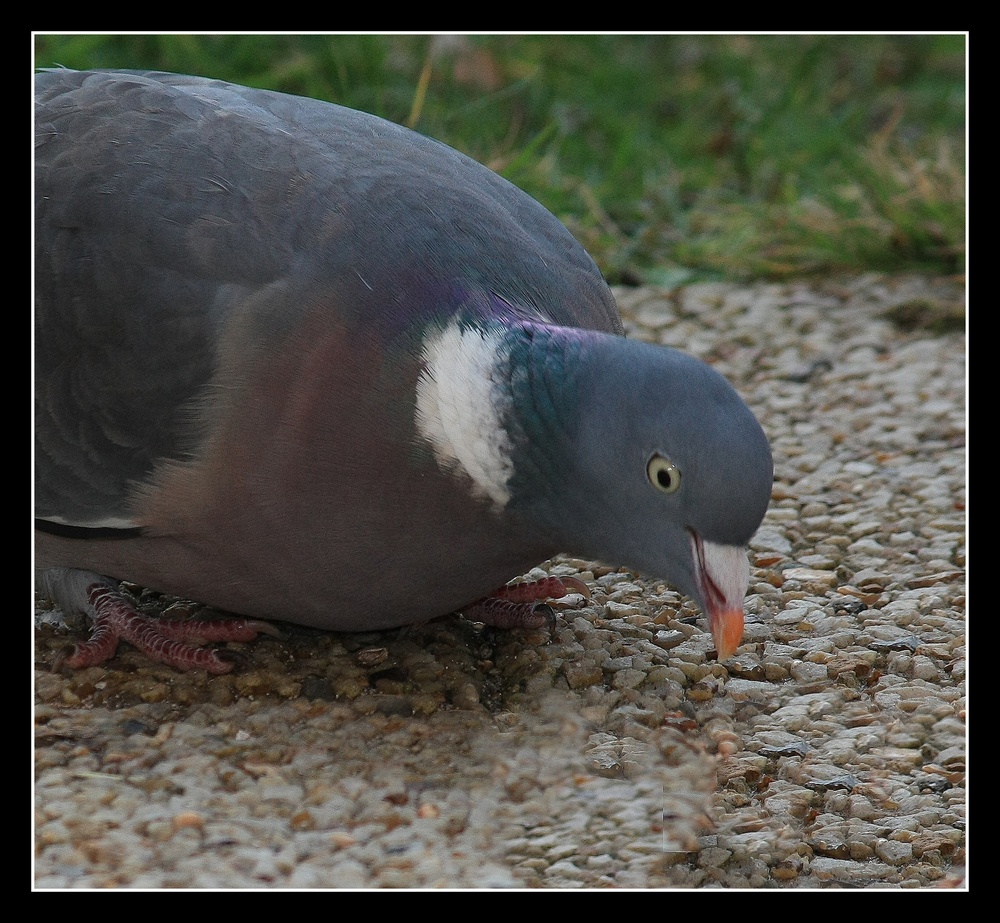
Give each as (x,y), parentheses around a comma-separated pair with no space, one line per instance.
(663,478)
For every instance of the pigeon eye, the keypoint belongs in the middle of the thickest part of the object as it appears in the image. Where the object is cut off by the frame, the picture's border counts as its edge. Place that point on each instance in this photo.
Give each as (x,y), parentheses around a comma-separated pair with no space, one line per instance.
(663,474)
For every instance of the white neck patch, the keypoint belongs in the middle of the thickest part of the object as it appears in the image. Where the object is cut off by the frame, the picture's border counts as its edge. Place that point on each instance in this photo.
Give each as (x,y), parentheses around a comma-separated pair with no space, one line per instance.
(459,408)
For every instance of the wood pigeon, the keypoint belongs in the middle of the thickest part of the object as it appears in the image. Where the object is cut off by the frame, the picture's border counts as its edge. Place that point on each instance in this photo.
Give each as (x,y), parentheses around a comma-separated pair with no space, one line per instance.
(300,363)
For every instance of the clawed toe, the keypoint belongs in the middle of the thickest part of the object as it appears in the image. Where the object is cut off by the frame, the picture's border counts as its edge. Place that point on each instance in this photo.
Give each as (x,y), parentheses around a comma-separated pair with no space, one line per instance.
(173,642)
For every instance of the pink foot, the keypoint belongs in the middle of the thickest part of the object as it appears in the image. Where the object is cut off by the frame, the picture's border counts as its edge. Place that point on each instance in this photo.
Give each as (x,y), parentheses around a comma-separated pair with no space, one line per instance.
(516,605)
(170,642)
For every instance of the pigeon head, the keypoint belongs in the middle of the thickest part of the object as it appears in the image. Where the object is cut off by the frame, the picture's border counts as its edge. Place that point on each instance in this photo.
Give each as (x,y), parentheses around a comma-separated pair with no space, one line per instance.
(661,465)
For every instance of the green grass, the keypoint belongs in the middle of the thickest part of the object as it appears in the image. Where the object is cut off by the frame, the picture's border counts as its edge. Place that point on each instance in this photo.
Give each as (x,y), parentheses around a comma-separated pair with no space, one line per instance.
(670,157)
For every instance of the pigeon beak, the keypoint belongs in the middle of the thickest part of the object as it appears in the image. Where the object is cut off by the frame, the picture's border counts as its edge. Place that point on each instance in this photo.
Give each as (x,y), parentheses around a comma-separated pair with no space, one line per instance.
(722,573)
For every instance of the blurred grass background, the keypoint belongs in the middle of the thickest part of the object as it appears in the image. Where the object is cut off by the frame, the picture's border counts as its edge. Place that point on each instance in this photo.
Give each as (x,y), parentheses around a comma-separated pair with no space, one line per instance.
(672,158)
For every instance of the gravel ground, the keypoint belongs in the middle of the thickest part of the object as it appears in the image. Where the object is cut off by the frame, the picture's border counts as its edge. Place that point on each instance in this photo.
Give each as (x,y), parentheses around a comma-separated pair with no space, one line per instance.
(617,752)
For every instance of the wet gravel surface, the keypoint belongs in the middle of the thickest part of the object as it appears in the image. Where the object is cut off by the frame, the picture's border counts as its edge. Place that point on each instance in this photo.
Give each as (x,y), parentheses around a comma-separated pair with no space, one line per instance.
(616,751)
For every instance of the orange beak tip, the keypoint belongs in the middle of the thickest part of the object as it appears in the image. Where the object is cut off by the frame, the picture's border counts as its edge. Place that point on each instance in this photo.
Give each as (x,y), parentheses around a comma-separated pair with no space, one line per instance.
(727,632)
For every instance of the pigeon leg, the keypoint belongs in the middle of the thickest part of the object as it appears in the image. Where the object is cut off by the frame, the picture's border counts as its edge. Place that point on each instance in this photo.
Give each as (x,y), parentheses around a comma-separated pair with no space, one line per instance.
(173,642)
(517,605)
